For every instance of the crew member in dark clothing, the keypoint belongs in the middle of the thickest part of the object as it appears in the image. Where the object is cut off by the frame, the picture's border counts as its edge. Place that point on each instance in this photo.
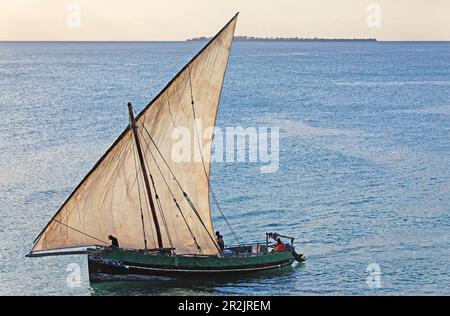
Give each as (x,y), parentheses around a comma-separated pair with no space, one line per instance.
(219,239)
(114,241)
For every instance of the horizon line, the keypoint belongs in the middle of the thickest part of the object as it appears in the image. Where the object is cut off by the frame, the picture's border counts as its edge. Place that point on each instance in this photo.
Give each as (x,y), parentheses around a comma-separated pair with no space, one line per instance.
(280,39)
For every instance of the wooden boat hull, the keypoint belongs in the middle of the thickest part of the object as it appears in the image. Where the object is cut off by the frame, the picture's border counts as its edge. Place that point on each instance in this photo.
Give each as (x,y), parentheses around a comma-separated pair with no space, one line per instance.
(115,264)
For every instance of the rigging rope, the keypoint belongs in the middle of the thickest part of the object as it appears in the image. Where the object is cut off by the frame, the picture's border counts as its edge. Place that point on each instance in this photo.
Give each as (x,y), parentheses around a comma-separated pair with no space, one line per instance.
(157,198)
(203,163)
(171,192)
(184,192)
(163,217)
(161,211)
(139,196)
(79,231)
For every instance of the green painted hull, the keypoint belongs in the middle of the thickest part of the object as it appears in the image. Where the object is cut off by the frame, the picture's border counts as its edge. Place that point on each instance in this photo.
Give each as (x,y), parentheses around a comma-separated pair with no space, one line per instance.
(124,262)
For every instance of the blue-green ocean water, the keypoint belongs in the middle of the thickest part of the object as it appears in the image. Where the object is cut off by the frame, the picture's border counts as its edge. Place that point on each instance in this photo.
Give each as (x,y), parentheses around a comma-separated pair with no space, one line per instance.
(364,172)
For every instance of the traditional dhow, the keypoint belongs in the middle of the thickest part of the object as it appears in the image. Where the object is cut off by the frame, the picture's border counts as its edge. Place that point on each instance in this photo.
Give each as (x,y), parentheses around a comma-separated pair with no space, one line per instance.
(140,212)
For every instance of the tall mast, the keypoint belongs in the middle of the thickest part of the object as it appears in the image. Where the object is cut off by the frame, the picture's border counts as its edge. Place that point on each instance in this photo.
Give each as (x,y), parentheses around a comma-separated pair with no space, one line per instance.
(144,172)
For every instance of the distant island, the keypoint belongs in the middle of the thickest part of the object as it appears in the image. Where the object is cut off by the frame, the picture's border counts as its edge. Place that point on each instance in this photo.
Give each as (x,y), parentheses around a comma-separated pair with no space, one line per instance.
(289,39)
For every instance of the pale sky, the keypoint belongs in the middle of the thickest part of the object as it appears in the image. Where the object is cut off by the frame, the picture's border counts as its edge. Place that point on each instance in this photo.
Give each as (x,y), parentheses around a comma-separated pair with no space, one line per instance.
(136,20)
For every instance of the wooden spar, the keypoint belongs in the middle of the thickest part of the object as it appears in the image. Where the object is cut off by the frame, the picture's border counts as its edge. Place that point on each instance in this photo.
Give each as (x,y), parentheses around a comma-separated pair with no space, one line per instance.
(61,253)
(145,175)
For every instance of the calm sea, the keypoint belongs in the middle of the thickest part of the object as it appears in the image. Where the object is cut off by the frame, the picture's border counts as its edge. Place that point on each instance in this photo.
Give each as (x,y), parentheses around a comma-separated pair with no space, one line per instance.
(364,175)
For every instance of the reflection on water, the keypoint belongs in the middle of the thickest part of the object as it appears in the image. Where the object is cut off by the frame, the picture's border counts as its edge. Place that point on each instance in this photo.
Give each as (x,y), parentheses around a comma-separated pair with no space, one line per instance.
(203,285)
(364,171)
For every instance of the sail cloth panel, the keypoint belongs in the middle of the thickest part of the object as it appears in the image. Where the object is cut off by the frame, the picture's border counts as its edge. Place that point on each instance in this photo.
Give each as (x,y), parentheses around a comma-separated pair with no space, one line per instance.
(107,201)
(173,110)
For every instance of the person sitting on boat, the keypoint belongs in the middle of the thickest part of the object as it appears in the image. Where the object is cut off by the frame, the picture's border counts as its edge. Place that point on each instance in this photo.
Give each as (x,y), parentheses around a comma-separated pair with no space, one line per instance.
(280,246)
(220,242)
(114,241)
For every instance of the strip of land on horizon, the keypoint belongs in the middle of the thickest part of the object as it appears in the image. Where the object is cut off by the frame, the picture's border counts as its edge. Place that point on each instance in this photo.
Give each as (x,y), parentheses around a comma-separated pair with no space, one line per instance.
(290,39)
